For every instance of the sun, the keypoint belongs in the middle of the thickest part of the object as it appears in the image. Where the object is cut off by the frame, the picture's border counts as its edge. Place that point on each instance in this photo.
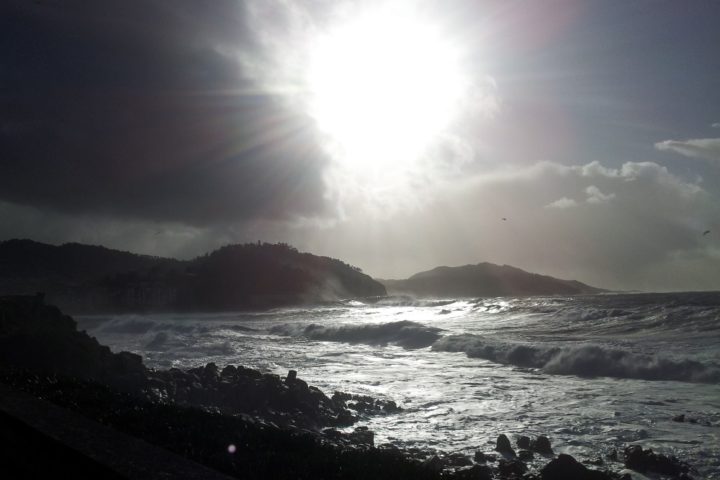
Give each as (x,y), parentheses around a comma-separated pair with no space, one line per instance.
(383,85)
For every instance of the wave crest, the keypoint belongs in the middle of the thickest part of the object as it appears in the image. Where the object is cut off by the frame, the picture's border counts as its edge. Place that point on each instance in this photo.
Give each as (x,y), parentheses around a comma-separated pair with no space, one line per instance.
(586,360)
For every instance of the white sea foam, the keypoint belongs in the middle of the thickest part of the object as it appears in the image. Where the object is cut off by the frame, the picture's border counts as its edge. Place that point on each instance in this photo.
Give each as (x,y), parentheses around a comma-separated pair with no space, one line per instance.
(585,360)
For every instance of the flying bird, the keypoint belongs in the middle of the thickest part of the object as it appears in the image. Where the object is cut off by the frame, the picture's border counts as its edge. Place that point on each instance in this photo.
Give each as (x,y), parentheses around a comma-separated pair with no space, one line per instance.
(504,219)
(706,232)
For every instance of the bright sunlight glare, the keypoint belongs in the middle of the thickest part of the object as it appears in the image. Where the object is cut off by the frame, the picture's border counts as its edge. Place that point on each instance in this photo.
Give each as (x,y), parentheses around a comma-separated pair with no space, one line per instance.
(383,85)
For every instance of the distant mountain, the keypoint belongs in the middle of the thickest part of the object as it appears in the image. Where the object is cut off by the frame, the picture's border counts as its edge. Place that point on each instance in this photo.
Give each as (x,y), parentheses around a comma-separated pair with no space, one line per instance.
(86,278)
(484,279)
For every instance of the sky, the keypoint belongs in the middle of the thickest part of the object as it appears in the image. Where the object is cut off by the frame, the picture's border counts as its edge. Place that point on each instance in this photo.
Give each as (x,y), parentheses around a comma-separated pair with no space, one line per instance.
(578,139)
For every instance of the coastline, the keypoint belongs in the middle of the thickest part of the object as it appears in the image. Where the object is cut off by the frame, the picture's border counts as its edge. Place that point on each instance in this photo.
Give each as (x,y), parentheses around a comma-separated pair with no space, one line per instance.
(279,428)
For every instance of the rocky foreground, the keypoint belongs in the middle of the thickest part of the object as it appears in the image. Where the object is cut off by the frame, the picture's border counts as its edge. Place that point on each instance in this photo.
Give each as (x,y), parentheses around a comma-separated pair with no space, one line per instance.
(248,424)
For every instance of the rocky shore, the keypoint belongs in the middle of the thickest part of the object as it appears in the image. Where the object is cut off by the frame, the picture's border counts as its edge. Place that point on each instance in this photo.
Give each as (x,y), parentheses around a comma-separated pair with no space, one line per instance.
(247,424)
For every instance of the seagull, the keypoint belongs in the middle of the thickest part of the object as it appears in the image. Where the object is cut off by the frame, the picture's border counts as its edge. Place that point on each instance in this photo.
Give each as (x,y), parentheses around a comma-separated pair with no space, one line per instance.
(504,219)
(706,232)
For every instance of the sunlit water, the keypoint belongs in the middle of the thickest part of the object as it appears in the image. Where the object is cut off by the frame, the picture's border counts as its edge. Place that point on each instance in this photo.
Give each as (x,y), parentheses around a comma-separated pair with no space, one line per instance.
(592,373)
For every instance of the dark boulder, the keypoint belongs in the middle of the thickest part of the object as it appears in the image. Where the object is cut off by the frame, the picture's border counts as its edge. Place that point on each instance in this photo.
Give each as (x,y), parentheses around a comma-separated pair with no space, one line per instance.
(476,472)
(480,457)
(459,460)
(434,464)
(523,442)
(229,372)
(503,445)
(565,467)
(363,436)
(648,461)
(391,407)
(525,455)
(541,445)
(512,467)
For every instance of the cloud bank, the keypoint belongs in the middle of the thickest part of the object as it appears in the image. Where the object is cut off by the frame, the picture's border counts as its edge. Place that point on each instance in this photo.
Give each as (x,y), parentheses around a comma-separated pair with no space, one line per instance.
(705,148)
(148,111)
(637,226)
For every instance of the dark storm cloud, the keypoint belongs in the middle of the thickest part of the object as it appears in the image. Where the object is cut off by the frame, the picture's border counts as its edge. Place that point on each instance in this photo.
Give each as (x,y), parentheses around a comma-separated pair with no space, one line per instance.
(142,110)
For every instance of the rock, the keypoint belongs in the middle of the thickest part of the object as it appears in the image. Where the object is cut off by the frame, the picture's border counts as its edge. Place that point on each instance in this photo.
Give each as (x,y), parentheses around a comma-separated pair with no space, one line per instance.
(291,377)
(490,457)
(679,418)
(541,445)
(476,472)
(613,455)
(363,436)
(525,455)
(434,464)
(459,460)
(340,397)
(332,433)
(391,407)
(647,461)
(211,371)
(511,467)
(229,371)
(565,467)
(480,457)
(503,445)
(523,442)
(344,419)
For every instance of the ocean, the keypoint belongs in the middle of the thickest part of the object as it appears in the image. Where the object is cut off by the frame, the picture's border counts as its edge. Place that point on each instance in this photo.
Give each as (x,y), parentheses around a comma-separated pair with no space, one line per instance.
(593,373)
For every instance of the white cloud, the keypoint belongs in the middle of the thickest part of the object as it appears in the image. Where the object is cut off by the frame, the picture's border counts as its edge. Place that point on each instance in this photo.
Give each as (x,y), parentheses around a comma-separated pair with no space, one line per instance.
(706,148)
(597,197)
(563,202)
(715,125)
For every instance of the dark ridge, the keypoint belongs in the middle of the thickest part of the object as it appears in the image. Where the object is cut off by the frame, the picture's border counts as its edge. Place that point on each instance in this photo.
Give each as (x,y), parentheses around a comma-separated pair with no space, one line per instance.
(484,279)
(84,278)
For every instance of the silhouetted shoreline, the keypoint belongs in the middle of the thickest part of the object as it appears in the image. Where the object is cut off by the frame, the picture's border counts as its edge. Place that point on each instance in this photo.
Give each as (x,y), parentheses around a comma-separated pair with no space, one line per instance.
(237,420)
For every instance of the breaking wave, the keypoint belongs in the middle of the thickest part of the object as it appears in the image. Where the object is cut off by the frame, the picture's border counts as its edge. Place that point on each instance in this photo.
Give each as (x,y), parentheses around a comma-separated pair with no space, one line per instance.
(405,333)
(407,301)
(587,360)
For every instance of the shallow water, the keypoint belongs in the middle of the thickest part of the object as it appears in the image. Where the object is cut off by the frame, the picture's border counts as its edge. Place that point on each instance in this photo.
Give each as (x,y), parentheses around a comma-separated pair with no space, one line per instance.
(592,373)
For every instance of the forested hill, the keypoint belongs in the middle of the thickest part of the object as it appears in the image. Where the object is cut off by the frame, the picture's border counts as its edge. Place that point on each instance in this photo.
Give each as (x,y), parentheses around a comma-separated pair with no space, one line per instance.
(71,263)
(484,279)
(85,278)
(275,270)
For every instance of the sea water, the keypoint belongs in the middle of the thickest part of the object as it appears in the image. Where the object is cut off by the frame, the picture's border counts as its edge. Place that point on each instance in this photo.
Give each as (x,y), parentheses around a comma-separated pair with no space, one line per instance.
(592,373)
